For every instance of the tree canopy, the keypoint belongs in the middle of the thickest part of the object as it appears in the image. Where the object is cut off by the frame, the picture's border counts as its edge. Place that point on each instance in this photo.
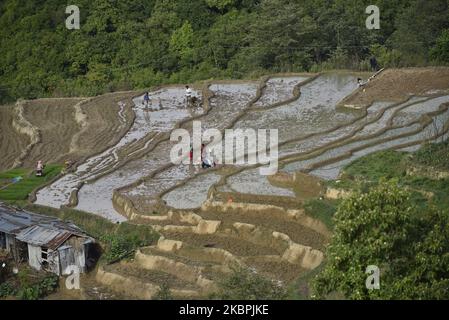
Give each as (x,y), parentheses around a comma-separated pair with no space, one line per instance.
(382,228)
(139,43)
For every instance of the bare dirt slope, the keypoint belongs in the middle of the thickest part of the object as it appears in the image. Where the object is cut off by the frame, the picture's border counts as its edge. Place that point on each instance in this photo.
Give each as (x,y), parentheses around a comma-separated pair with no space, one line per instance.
(55,120)
(104,125)
(398,84)
(12,143)
(67,128)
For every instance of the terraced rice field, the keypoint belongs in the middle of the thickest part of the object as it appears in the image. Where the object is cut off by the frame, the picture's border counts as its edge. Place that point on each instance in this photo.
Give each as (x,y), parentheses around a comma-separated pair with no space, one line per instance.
(212,219)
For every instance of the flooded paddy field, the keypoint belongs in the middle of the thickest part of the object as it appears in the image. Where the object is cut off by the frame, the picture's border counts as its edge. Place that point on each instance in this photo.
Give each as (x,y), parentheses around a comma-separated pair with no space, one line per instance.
(233,212)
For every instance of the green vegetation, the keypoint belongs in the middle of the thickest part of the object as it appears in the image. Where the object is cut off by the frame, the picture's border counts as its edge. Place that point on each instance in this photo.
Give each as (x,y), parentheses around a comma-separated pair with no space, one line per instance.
(434,155)
(119,240)
(401,226)
(29,182)
(137,43)
(163,293)
(366,172)
(384,164)
(28,285)
(322,210)
(245,284)
(383,228)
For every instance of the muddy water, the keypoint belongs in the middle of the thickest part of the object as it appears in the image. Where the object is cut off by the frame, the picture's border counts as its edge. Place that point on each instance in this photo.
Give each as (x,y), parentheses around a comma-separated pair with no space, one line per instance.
(414,112)
(342,150)
(384,120)
(252,182)
(314,111)
(96,197)
(428,106)
(193,194)
(332,171)
(320,140)
(168,107)
(278,89)
(228,102)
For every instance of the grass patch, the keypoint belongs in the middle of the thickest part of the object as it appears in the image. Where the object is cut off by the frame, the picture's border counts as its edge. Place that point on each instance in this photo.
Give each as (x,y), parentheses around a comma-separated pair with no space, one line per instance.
(118,240)
(366,172)
(384,164)
(28,284)
(322,210)
(20,190)
(434,155)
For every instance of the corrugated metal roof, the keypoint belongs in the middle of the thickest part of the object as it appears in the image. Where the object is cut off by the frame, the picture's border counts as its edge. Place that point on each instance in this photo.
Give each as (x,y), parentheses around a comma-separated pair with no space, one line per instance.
(37,229)
(12,220)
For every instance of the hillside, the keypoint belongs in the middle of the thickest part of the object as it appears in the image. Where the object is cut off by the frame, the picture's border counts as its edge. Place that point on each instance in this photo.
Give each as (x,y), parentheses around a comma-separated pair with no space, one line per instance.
(137,44)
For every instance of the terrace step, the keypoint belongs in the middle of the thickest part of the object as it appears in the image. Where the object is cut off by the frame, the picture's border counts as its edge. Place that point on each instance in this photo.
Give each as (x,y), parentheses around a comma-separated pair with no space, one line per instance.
(200,254)
(203,273)
(132,280)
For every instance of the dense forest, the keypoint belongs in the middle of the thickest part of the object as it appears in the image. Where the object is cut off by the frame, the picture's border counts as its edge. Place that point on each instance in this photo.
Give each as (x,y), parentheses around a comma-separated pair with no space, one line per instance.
(141,43)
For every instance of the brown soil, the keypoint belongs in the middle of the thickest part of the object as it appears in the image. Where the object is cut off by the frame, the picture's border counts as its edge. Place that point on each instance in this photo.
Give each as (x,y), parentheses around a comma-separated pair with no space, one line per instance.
(398,84)
(277,270)
(175,257)
(153,276)
(55,120)
(294,230)
(11,143)
(238,247)
(90,289)
(104,128)
(62,135)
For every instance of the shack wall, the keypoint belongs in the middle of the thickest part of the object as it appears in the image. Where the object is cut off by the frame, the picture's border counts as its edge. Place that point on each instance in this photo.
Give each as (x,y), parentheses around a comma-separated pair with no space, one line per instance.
(34,257)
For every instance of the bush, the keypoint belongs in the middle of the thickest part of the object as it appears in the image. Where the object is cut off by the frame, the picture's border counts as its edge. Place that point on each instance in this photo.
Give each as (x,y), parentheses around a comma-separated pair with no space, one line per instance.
(246,284)
(440,52)
(125,240)
(24,290)
(322,210)
(6,290)
(163,293)
(387,58)
(434,154)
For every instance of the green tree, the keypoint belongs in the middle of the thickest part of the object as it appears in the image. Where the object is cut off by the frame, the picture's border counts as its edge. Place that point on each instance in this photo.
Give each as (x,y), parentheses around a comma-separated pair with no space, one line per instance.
(220,4)
(440,52)
(181,43)
(381,228)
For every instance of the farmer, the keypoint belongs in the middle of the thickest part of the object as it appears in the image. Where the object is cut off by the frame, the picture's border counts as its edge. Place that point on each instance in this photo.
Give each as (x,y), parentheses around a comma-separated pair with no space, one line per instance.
(189,94)
(360,82)
(203,151)
(146,100)
(373,63)
(39,169)
(207,162)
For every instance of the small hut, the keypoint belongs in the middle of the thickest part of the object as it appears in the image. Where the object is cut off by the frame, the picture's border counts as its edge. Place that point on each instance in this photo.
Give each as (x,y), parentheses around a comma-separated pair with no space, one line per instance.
(47,243)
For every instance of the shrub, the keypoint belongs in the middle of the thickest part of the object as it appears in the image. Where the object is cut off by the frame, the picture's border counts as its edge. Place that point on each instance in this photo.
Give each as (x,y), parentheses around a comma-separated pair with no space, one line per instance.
(246,284)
